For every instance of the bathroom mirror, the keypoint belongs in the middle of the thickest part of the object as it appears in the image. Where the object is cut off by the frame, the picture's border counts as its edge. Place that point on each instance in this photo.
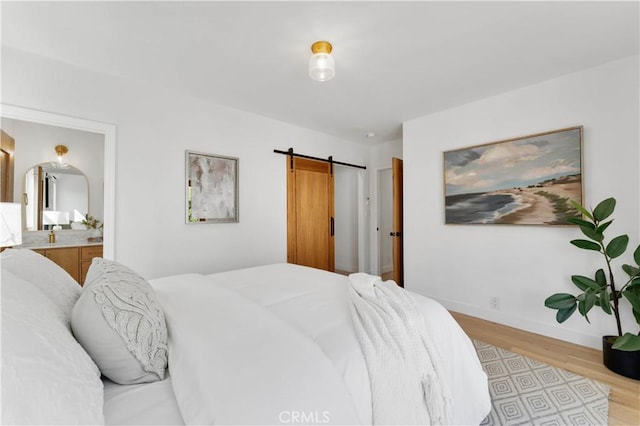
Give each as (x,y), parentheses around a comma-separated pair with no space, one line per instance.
(56,196)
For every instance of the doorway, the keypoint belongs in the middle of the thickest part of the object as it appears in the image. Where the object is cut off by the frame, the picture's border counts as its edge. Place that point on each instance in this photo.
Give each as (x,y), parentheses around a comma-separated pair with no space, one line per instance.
(385,224)
(108,131)
(390,222)
(325,215)
(346,220)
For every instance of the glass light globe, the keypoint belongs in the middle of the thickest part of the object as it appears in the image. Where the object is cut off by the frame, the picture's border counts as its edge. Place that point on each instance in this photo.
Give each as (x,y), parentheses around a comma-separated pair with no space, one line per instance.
(322,67)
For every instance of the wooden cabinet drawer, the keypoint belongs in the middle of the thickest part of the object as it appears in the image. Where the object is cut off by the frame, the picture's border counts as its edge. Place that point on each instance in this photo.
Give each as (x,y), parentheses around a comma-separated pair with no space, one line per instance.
(88,253)
(84,268)
(75,260)
(86,256)
(67,258)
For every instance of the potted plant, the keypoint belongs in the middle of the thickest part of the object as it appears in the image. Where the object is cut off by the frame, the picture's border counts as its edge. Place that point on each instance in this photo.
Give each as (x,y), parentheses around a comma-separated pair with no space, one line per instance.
(621,353)
(91,222)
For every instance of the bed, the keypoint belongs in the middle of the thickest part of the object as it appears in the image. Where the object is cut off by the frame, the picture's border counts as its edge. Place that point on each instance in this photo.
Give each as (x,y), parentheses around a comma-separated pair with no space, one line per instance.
(273,344)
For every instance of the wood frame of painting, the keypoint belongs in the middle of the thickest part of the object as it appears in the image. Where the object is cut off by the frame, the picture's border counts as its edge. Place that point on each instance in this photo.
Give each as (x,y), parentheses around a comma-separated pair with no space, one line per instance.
(527,180)
(211,194)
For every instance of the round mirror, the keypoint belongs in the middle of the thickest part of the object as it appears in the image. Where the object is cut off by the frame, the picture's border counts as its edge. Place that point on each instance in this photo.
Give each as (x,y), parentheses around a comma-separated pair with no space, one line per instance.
(56,196)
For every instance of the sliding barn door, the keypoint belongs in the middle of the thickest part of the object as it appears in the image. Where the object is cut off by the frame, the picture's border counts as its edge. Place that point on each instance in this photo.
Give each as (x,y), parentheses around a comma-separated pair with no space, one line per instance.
(310,217)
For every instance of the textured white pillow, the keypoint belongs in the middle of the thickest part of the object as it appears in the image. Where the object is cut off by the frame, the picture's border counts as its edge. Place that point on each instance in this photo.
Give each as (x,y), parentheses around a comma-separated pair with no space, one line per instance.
(47,378)
(120,323)
(45,275)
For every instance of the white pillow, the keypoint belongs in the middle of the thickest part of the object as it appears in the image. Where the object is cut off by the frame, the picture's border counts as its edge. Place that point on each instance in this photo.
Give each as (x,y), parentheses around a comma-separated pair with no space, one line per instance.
(47,378)
(45,275)
(120,323)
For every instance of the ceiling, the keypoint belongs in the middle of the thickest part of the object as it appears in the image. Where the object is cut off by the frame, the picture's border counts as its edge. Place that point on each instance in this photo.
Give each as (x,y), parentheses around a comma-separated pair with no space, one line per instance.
(394,60)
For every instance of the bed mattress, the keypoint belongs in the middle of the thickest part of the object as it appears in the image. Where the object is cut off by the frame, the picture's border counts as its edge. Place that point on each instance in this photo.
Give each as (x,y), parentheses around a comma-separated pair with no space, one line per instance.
(215,320)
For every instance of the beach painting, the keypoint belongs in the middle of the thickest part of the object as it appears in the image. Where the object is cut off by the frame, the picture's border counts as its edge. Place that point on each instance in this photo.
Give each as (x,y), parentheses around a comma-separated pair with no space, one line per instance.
(524,181)
(212,188)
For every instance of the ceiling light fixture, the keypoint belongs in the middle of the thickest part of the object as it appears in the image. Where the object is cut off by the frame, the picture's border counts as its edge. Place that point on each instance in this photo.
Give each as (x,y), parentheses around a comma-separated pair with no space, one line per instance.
(322,67)
(61,150)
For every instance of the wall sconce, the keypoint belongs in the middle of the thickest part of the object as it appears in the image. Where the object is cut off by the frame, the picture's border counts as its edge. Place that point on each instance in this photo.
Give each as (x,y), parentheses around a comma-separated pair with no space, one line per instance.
(322,67)
(61,150)
(10,224)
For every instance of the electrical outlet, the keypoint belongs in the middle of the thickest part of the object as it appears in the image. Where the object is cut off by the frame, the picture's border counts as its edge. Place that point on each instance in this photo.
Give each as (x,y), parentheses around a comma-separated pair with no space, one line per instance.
(494,302)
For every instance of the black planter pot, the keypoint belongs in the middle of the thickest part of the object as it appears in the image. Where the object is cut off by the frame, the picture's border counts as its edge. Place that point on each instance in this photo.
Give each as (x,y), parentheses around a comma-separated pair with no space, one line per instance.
(625,363)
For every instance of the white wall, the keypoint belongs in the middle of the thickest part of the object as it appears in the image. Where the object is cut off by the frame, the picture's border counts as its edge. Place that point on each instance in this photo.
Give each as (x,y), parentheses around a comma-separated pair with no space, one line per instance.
(35,144)
(464,265)
(154,128)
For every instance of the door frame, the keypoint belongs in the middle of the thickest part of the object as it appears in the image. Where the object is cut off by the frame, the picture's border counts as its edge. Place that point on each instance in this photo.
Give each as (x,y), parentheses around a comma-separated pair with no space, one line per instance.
(109,133)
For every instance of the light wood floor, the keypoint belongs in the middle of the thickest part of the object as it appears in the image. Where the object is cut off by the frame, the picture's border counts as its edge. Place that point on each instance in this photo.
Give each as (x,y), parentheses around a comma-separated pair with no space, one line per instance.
(624,399)
(385,276)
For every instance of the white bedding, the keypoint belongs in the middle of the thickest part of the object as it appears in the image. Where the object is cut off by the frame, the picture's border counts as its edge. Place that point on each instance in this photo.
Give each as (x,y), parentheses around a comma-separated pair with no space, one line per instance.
(233,362)
(267,345)
(276,344)
(405,365)
(141,404)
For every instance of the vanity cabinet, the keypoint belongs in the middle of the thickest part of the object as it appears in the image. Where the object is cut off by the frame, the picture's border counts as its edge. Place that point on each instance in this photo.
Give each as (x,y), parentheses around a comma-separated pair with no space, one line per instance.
(86,256)
(75,260)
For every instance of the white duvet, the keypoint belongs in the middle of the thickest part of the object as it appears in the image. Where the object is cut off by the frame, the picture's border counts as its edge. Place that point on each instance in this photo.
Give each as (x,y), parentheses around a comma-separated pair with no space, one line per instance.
(276,345)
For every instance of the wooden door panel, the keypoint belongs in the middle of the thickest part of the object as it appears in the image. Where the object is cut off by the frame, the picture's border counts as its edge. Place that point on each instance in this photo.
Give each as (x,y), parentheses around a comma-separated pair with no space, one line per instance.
(312,224)
(309,214)
(6,167)
(398,256)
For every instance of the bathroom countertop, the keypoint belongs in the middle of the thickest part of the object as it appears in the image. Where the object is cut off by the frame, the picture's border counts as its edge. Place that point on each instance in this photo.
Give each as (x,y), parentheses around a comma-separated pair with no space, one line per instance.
(58,245)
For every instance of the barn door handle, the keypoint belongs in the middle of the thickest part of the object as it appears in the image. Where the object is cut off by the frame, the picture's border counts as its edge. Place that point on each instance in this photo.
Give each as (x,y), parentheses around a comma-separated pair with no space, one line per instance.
(332,227)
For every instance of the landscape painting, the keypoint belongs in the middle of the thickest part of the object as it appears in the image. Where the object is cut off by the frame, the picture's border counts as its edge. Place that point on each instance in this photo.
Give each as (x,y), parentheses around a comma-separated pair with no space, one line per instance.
(212,188)
(525,181)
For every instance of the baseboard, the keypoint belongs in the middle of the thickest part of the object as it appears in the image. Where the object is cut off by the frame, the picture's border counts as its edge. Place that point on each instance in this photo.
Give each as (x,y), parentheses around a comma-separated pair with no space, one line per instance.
(346,268)
(531,326)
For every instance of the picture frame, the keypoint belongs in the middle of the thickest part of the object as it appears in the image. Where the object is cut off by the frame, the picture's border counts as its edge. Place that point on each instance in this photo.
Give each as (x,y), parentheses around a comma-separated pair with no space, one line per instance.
(211,194)
(528,180)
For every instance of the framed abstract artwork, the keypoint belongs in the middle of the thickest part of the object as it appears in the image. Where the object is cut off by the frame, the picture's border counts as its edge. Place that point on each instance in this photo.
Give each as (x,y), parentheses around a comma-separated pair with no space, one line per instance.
(526,181)
(212,188)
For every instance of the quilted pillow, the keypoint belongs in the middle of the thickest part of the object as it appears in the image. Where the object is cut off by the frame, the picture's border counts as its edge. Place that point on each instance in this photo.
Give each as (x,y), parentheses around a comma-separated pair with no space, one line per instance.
(47,378)
(46,276)
(120,323)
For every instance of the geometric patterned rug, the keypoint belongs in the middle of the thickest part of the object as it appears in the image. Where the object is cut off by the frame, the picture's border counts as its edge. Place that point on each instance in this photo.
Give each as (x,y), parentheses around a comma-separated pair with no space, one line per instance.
(528,392)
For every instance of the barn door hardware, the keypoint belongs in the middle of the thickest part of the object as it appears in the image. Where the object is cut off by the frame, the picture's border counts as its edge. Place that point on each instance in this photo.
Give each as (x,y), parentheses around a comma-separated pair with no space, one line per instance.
(330,160)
